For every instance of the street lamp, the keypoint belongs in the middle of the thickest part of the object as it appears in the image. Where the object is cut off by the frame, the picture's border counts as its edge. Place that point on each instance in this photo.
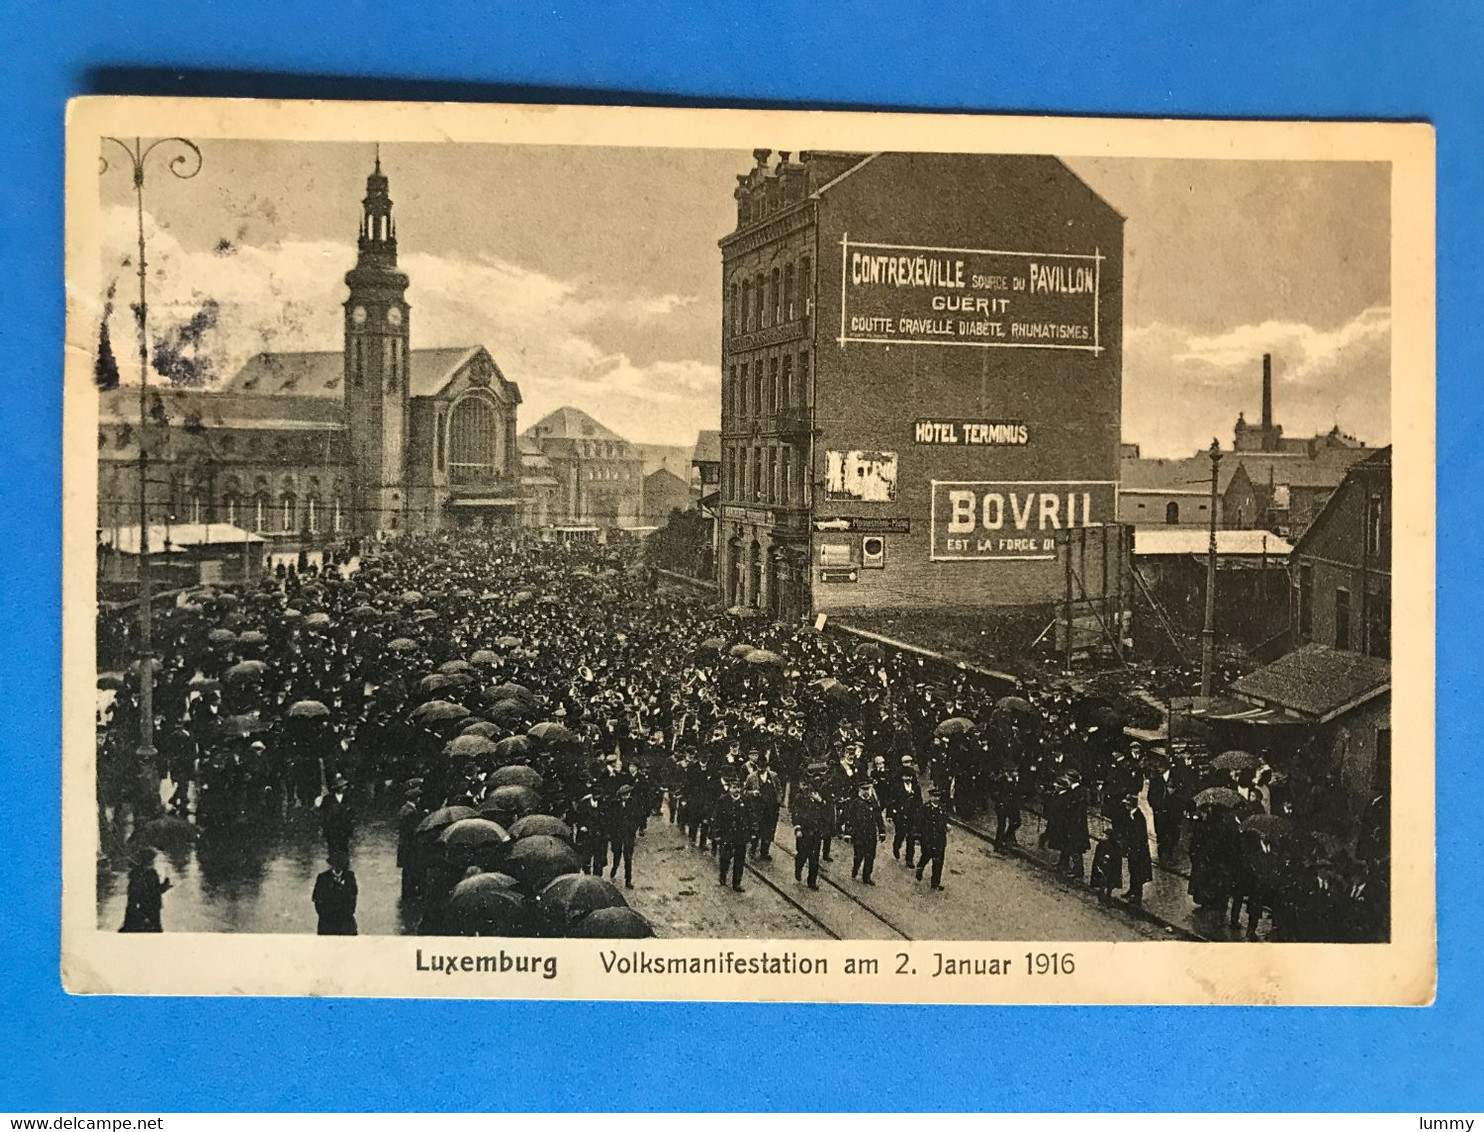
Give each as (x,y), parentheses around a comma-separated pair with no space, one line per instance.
(1208,633)
(185,164)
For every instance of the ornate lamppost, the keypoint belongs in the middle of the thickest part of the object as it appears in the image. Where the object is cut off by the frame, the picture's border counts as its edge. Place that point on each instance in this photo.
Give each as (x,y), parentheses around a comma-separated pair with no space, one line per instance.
(185,164)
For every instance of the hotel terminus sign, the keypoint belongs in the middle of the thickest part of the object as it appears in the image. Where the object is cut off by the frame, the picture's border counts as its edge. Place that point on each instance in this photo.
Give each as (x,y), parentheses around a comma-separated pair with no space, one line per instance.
(909,295)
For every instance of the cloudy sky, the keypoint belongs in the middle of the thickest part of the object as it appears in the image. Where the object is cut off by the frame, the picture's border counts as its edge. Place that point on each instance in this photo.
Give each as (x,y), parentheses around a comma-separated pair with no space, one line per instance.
(592,275)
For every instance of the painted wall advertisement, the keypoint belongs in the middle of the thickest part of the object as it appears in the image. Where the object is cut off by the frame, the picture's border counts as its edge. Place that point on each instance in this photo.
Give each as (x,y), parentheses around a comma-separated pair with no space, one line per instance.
(969,297)
(977,520)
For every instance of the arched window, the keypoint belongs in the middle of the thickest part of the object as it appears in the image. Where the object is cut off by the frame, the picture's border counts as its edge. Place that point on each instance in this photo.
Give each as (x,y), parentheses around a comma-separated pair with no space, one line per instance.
(289,507)
(789,310)
(472,449)
(1172,512)
(776,292)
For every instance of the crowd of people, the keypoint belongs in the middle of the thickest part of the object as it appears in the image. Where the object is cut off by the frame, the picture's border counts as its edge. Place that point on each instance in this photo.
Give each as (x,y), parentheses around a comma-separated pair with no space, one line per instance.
(425,668)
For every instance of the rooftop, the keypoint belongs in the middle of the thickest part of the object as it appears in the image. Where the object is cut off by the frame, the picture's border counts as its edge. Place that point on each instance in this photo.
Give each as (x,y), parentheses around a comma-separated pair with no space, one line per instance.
(1317,682)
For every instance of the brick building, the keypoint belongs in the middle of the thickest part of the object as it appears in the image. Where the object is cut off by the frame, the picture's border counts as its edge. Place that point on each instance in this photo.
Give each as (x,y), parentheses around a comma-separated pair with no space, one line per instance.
(921,366)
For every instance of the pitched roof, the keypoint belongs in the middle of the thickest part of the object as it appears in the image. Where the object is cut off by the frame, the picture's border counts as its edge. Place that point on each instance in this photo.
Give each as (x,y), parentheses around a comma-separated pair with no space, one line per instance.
(569,423)
(1317,681)
(1326,468)
(708,447)
(432,369)
(224,409)
(305,373)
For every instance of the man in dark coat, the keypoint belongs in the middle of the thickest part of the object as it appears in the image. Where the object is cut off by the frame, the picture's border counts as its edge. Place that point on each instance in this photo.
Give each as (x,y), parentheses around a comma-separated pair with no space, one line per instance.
(1167,798)
(588,824)
(1066,824)
(335,895)
(864,823)
(932,836)
(766,799)
(337,817)
(731,828)
(905,803)
(626,815)
(1007,795)
(1131,832)
(146,890)
(811,816)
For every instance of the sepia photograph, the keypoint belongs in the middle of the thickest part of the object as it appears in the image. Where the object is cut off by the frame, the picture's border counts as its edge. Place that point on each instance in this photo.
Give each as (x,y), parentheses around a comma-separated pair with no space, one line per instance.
(618,543)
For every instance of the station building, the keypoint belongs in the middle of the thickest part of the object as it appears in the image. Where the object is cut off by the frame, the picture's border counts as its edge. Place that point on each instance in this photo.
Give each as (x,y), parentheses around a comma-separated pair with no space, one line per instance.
(299,446)
(921,381)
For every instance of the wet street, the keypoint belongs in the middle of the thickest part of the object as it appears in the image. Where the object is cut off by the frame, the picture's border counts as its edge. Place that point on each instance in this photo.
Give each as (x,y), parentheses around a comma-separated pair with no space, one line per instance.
(259,879)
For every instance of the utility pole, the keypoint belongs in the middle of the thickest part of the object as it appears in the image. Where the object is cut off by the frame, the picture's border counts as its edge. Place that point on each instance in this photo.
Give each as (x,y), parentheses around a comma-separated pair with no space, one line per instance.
(1208,633)
(185,165)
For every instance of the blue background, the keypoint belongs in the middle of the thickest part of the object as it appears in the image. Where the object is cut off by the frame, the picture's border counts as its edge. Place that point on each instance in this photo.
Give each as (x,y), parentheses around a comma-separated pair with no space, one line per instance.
(1156,58)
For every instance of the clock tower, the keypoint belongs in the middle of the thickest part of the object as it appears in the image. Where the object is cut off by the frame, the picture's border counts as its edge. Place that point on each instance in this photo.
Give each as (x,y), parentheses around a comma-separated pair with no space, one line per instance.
(376,367)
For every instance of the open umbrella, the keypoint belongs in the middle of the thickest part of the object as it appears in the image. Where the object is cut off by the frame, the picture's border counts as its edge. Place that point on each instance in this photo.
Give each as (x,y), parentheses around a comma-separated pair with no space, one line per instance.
(252,637)
(552,734)
(611,923)
(573,895)
(526,776)
(221,636)
(540,859)
(484,657)
(476,726)
(443,817)
(1220,796)
(402,644)
(455,668)
(1015,705)
(712,644)
(470,833)
(423,615)
(437,682)
(483,905)
(509,714)
(954,726)
(870,649)
(834,691)
(542,825)
(247,670)
(763,658)
(507,642)
(167,832)
(438,711)
(308,709)
(517,800)
(412,597)
(110,681)
(514,747)
(508,691)
(739,651)
(744,612)
(1235,760)
(365,613)
(317,620)
(1274,827)
(241,725)
(468,746)
(202,683)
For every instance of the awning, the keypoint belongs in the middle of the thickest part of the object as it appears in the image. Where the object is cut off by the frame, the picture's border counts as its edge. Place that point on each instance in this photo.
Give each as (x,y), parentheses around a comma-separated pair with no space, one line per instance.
(473,501)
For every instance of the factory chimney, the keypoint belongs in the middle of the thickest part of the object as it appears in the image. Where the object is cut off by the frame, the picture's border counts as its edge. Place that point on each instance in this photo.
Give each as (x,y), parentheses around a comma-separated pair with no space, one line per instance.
(1269,441)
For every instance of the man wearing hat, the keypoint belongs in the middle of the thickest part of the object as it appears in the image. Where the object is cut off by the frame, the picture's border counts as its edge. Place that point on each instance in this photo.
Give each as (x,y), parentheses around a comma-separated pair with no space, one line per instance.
(1131,833)
(932,836)
(906,803)
(866,826)
(731,827)
(335,895)
(337,816)
(812,816)
(625,816)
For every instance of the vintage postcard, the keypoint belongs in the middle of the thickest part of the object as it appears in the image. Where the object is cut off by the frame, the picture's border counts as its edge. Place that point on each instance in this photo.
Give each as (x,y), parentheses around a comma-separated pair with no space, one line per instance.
(560,552)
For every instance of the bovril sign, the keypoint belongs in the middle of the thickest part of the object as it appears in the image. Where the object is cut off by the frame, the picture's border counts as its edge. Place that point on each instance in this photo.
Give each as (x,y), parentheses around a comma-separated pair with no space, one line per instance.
(985,519)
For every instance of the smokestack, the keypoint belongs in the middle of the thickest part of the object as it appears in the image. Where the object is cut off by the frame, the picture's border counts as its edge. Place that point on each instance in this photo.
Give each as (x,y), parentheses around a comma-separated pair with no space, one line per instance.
(1267,399)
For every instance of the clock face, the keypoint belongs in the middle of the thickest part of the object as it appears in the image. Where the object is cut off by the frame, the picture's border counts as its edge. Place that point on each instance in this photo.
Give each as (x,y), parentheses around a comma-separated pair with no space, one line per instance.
(358,316)
(394,316)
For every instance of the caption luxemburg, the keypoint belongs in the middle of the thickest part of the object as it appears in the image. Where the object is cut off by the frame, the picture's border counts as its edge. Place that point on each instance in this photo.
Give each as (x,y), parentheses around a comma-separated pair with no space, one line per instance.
(731,962)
